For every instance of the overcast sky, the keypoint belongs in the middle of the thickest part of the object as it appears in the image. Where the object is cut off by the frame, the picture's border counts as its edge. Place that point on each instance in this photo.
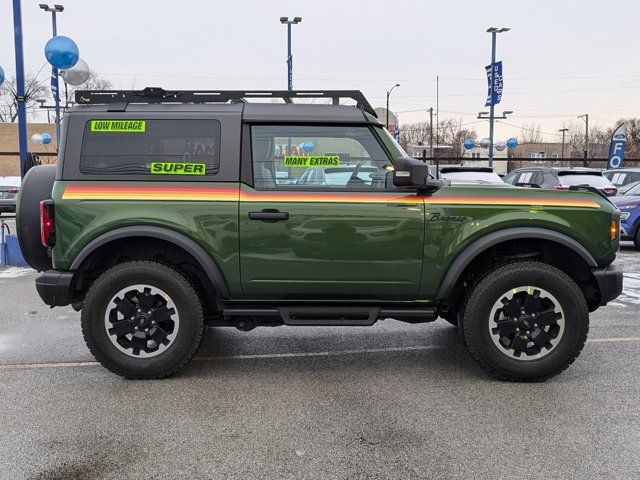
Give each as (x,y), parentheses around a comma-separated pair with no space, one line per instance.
(561,58)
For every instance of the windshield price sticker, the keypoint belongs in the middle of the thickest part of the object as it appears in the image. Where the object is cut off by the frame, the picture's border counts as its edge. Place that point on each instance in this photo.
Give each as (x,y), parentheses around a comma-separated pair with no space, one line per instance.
(119,126)
(311,161)
(171,168)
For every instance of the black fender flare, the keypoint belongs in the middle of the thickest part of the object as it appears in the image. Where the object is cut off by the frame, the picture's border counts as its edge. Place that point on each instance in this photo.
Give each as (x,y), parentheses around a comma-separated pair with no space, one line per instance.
(207,263)
(476,248)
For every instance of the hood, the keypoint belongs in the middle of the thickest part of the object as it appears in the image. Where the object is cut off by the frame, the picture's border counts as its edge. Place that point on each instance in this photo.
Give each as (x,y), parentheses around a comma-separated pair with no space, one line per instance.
(623,200)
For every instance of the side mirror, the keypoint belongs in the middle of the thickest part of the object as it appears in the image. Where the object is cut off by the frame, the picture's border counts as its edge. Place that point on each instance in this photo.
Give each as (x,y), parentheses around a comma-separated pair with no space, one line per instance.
(412,173)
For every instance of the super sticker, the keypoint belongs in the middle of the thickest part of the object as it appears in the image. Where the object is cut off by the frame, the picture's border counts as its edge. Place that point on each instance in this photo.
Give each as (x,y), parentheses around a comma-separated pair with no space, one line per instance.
(311,161)
(171,168)
(119,126)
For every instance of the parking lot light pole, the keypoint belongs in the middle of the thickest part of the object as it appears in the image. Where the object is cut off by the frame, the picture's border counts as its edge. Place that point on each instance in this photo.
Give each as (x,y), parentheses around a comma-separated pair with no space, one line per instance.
(563,130)
(492,117)
(388,95)
(20,90)
(54,71)
(288,23)
(585,117)
(494,32)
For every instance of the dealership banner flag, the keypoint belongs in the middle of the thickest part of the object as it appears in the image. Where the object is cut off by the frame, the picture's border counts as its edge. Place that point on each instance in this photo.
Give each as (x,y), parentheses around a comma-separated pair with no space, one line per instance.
(616,150)
(54,85)
(494,79)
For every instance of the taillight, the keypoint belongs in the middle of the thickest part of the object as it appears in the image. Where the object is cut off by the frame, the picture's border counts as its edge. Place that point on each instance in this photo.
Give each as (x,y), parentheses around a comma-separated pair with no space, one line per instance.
(14,190)
(47,223)
(561,187)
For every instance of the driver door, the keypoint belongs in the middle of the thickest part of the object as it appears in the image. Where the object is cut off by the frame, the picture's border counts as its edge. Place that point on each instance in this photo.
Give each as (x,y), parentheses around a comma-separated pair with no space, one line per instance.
(331,231)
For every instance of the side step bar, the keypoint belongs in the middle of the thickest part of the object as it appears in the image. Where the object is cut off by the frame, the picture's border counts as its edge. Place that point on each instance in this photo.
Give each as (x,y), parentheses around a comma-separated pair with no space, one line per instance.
(328,315)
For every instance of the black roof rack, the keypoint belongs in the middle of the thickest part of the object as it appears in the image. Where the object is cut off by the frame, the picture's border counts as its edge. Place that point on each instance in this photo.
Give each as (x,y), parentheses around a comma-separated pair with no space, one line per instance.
(159,95)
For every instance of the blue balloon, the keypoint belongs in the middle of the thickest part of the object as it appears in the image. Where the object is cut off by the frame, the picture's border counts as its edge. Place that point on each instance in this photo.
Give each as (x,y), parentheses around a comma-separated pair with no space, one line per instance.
(46,138)
(1,76)
(512,142)
(308,146)
(469,144)
(61,52)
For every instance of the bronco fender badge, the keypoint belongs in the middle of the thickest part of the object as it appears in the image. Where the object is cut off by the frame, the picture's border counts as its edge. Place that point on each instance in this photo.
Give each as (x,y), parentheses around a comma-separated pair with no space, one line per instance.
(437,217)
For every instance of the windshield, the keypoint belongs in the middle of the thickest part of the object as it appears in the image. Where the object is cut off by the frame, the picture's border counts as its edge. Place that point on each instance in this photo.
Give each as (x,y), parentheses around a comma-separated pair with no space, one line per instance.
(584,179)
(631,189)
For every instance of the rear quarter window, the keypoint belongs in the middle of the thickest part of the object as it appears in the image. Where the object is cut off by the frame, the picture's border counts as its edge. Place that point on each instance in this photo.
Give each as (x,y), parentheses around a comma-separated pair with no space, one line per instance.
(158,147)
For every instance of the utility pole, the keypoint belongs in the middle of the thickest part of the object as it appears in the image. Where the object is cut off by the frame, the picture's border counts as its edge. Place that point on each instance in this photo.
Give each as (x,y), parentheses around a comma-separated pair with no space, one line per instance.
(55,84)
(20,90)
(585,117)
(288,23)
(563,130)
(494,33)
(431,131)
(388,95)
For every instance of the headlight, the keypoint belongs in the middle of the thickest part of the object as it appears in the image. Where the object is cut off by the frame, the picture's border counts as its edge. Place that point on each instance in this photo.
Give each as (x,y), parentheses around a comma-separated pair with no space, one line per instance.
(624,215)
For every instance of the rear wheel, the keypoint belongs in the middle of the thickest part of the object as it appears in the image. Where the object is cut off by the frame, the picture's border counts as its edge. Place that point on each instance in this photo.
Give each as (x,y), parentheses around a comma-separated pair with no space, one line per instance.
(142,320)
(525,321)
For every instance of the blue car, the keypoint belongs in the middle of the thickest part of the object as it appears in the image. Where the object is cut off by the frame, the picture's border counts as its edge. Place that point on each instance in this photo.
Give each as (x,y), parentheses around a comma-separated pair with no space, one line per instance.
(629,205)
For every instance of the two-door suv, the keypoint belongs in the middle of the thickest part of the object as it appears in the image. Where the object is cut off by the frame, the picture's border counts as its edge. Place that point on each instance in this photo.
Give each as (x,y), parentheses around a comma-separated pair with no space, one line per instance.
(169,211)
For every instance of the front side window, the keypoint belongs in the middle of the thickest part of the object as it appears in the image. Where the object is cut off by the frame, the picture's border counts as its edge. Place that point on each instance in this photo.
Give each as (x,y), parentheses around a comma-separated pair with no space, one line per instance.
(151,147)
(317,157)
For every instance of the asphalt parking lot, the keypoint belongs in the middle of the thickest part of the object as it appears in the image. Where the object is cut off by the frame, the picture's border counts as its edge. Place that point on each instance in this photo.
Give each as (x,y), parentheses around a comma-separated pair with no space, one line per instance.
(390,401)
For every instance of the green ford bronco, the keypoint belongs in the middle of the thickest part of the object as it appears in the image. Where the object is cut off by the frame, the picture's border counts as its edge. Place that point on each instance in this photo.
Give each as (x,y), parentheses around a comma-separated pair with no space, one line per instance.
(169,211)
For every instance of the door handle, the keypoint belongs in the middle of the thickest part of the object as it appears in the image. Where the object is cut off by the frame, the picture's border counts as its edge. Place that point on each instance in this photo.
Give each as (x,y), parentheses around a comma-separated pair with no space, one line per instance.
(269,215)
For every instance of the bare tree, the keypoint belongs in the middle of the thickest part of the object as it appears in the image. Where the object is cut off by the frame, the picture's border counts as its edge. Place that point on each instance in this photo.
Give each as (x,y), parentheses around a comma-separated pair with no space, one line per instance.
(450,132)
(531,133)
(414,133)
(94,82)
(34,89)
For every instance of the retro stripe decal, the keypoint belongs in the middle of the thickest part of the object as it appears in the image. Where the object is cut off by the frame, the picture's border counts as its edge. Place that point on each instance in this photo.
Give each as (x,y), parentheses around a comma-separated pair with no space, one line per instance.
(232,193)
(222,193)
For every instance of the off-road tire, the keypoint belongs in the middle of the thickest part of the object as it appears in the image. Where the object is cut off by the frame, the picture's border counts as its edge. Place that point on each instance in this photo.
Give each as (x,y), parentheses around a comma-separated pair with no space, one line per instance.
(187,303)
(489,289)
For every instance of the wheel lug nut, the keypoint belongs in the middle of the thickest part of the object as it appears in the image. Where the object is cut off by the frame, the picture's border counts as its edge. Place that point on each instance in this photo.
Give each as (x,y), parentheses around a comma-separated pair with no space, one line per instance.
(535,325)
(135,328)
(139,310)
(133,318)
(528,332)
(517,330)
(146,330)
(153,322)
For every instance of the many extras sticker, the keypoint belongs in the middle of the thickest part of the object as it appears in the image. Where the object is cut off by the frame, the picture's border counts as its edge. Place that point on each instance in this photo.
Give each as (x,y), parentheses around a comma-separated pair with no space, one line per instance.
(311,161)
(171,168)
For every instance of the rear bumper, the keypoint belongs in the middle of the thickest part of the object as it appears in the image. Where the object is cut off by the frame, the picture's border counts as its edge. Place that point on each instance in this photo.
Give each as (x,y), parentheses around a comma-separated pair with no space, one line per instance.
(609,282)
(54,287)
(7,205)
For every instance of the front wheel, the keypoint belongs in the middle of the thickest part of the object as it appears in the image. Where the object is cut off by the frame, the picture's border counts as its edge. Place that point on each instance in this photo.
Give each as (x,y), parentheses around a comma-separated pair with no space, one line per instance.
(525,321)
(636,239)
(142,320)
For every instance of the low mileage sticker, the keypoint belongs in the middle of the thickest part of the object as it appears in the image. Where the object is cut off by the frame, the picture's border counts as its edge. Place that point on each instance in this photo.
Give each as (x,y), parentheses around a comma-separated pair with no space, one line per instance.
(119,126)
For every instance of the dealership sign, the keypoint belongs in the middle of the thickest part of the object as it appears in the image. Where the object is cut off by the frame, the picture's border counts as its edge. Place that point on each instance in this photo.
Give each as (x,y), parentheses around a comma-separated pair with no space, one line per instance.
(494,80)
(616,150)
